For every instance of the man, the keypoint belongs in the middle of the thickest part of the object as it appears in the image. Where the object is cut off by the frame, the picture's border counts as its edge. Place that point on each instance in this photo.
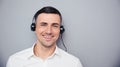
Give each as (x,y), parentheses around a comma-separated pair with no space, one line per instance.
(45,53)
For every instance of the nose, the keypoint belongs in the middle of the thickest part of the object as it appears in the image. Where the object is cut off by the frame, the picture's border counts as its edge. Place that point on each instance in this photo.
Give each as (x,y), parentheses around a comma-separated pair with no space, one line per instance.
(49,30)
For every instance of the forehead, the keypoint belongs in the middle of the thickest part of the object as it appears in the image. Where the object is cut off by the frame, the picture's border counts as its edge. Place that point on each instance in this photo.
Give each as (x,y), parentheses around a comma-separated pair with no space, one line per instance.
(48,17)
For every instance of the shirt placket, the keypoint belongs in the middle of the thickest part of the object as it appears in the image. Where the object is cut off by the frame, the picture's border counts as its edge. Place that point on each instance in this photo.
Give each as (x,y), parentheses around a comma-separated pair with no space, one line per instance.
(45,63)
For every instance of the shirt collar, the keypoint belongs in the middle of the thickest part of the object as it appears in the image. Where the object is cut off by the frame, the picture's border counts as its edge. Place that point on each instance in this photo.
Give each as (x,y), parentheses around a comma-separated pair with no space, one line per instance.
(56,52)
(31,54)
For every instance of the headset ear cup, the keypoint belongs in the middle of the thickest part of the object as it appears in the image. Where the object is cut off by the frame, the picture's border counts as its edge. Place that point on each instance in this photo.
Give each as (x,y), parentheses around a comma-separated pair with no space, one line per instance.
(62,29)
(33,27)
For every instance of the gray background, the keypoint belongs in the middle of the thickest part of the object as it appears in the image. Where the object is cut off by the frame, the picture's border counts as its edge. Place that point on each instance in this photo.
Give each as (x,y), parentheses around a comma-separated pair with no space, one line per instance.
(92,29)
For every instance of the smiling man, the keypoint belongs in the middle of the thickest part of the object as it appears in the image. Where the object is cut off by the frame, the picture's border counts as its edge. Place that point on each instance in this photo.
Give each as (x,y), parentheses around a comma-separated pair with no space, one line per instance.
(45,53)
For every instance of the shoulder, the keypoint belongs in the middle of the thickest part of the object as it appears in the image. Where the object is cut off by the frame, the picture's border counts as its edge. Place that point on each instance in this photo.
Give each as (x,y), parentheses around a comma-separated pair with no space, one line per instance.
(70,59)
(21,54)
(68,55)
(18,58)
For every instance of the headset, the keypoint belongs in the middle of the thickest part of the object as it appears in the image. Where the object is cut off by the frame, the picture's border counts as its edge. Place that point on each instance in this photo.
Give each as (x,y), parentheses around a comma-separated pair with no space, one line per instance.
(62,29)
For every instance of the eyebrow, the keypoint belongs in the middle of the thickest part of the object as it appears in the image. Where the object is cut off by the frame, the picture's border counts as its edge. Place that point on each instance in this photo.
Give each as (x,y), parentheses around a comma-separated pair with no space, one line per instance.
(43,23)
(56,24)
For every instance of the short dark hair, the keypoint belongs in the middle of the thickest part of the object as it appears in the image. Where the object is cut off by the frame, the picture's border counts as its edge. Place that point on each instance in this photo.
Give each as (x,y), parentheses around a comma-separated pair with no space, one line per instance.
(47,9)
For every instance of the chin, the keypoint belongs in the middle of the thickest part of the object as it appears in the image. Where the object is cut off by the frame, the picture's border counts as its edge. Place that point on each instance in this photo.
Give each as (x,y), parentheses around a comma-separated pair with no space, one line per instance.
(48,45)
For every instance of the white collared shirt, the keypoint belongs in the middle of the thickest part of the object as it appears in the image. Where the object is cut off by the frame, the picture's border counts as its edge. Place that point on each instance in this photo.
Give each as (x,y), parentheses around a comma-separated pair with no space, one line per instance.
(59,58)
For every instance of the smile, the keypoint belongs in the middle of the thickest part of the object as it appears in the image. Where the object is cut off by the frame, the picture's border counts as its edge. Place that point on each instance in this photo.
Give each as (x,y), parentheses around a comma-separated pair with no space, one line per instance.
(47,37)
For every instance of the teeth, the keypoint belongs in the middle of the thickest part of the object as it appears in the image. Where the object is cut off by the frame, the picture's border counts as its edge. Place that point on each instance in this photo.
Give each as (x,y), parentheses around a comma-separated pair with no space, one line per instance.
(48,37)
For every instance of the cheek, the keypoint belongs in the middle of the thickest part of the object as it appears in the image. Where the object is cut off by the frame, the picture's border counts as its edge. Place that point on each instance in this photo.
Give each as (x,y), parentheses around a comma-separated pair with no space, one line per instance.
(57,32)
(38,31)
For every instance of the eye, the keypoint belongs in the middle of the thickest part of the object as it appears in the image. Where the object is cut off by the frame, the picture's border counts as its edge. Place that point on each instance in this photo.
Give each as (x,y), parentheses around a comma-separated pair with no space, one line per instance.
(43,24)
(56,25)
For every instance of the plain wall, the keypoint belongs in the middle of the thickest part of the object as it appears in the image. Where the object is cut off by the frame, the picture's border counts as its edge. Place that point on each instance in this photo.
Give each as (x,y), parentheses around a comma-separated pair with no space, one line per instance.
(92,29)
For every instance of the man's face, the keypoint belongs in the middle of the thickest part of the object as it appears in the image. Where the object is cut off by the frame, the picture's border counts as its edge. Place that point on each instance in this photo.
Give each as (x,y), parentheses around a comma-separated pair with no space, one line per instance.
(47,29)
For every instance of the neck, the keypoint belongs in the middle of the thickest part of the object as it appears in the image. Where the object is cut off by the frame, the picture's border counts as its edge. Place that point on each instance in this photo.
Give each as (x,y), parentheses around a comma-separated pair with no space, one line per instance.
(43,52)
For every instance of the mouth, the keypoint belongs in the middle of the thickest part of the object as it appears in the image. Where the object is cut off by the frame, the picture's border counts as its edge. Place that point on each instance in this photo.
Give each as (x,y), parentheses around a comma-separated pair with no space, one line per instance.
(48,37)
